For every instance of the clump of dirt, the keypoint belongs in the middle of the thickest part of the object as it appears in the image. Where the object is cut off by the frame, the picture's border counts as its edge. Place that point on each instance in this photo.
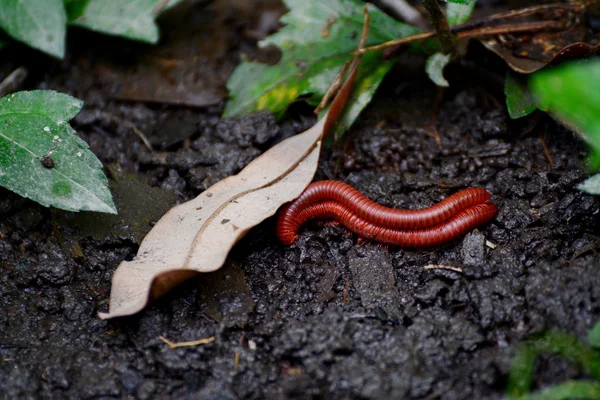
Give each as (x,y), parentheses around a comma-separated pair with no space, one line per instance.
(328,317)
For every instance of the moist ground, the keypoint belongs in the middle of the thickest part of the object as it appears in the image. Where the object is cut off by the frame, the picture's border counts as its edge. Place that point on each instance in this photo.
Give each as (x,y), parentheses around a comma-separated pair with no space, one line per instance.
(330,316)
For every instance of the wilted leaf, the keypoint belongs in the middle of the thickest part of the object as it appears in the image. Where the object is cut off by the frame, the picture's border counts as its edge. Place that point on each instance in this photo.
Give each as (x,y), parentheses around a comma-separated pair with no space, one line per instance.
(133,19)
(42,158)
(40,24)
(572,93)
(318,39)
(196,236)
(528,52)
(435,68)
(189,66)
(519,100)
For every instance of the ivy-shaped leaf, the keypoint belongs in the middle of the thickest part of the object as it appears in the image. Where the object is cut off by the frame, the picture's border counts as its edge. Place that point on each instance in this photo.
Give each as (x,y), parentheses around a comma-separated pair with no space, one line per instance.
(42,158)
(317,39)
(40,24)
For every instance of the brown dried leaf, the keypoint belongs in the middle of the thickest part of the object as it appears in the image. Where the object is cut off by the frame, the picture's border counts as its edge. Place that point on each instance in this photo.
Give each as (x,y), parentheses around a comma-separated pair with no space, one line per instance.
(197,236)
(528,52)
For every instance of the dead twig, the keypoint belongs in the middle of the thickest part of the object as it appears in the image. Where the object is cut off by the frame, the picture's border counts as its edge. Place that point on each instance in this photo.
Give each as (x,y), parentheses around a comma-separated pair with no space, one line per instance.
(174,345)
(449,267)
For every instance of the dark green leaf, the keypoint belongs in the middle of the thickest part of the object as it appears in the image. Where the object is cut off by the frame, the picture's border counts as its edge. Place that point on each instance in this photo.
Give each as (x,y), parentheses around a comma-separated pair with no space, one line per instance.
(42,158)
(521,371)
(572,93)
(467,2)
(316,41)
(519,100)
(435,68)
(133,19)
(40,24)
(594,334)
(565,391)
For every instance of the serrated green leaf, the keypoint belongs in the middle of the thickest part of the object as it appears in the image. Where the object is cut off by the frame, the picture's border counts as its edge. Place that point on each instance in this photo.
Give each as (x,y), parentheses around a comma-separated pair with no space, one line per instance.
(459,13)
(34,125)
(434,66)
(40,24)
(572,93)
(519,100)
(133,19)
(316,41)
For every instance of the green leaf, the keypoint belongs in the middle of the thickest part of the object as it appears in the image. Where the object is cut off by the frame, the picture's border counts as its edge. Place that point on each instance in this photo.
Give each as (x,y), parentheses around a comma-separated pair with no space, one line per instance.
(521,371)
(519,100)
(466,2)
(435,68)
(594,334)
(33,125)
(592,186)
(566,391)
(459,13)
(40,24)
(572,93)
(133,19)
(317,39)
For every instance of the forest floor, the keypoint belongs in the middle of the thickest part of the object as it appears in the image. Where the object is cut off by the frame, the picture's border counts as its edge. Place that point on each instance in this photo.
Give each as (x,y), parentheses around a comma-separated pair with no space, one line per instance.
(328,317)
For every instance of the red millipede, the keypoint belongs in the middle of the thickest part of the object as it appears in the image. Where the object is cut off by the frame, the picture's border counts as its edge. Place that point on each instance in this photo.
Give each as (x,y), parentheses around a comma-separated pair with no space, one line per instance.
(377,214)
(431,226)
(437,235)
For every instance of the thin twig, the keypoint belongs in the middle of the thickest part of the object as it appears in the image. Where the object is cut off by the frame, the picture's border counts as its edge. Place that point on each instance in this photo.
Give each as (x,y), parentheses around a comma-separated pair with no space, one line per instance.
(394,45)
(440,24)
(449,267)
(546,150)
(174,345)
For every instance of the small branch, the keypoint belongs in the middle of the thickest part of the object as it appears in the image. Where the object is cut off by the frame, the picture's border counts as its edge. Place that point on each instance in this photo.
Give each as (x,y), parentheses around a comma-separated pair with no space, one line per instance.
(440,24)
(186,344)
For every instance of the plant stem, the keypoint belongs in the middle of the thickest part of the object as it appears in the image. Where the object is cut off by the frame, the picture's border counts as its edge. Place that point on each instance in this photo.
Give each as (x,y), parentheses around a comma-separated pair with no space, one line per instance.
(440,24)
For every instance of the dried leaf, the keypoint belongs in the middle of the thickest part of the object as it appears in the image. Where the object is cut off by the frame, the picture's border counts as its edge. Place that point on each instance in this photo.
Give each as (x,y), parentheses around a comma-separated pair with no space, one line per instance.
(528,52)
(197,236)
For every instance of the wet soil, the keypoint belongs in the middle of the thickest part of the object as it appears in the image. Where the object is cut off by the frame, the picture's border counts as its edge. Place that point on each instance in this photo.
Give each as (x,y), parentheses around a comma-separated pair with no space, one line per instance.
(328,317)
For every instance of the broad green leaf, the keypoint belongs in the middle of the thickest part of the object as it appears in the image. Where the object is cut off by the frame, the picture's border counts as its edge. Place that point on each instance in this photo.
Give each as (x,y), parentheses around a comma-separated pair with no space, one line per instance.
(592,186)
(459,13)
(34,132)
(572,93)
(133,19)
(316,41)
(565,391)
(435,68)
(40,24)
(594,334)
(519,100)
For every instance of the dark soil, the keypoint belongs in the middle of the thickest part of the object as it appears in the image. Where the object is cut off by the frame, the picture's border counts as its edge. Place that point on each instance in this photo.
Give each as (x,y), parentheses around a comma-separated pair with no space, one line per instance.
(327,317)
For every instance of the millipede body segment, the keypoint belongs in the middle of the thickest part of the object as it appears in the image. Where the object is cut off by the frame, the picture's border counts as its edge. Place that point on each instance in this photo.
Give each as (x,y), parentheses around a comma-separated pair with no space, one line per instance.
(433,226)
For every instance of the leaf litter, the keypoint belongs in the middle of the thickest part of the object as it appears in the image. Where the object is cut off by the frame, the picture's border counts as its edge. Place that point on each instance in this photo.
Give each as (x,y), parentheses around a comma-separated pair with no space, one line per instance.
(197,236)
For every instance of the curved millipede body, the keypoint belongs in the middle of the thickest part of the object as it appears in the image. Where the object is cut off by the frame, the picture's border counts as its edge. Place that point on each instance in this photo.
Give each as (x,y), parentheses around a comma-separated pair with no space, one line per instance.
(377,214)
(437,235)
